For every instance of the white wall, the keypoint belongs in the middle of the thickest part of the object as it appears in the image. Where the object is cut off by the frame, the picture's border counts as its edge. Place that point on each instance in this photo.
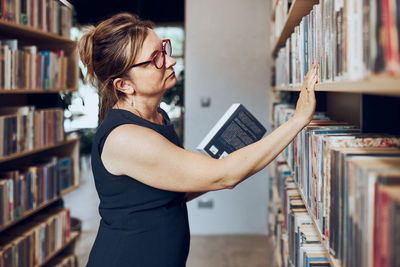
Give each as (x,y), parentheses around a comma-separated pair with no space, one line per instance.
(227,59)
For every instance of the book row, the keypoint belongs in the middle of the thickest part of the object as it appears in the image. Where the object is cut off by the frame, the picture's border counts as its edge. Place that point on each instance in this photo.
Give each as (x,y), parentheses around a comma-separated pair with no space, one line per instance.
(34,242)
(350,39)
(27,68)
(297,238)
(328,163)
(27,188)
(47,15)
(63,260)
(24,128)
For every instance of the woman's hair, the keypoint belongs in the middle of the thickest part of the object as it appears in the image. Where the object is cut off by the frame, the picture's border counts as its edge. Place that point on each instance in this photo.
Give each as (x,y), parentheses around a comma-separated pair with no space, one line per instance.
(108,50)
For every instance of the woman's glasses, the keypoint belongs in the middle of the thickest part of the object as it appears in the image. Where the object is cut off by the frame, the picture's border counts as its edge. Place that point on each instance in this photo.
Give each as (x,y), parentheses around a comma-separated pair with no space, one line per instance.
(159,58)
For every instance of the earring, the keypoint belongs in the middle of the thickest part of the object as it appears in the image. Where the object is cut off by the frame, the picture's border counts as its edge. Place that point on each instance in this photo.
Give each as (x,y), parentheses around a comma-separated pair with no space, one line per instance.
(132,104)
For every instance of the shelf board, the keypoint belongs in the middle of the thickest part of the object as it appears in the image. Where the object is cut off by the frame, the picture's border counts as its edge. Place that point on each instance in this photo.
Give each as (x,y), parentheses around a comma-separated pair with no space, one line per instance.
(72,238)
(375,84)
(22,32)
(28,213)
(36,91)
(38,208)
(37,150)
(297,11)
(69,189)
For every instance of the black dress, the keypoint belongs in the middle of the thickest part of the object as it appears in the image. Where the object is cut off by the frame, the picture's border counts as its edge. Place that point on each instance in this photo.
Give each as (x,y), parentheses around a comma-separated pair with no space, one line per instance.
(140,225)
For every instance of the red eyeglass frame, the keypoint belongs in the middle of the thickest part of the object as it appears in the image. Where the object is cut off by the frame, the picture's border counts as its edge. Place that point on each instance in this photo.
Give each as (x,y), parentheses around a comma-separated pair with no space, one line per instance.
(164,42)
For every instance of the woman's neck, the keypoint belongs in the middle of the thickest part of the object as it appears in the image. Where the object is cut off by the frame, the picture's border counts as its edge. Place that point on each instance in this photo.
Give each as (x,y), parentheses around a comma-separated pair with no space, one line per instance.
(147,110)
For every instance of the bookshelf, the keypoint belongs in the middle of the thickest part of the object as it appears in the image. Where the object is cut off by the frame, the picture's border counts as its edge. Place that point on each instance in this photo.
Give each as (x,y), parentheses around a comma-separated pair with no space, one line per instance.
(375,85)
(353,101)
(73,238)
(31,34)
(56,144)
(297,11)
(51,148)
(37,209)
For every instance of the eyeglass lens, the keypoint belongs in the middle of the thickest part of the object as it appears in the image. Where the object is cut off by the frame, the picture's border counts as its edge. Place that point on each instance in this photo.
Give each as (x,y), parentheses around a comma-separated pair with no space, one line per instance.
(160,57)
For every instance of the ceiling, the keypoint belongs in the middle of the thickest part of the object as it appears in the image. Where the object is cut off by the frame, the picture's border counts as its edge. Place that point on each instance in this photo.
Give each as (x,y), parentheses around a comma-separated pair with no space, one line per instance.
(158,11)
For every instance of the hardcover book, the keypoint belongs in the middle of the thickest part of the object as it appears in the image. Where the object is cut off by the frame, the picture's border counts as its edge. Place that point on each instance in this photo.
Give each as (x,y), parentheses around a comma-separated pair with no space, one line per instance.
(237,128)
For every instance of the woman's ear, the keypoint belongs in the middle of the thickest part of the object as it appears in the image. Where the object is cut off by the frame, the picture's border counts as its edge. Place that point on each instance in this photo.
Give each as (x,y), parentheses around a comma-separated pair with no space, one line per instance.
(123,85)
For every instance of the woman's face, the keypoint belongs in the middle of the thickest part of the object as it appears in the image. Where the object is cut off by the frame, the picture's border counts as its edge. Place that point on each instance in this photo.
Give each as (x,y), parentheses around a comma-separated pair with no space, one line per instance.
(147,79)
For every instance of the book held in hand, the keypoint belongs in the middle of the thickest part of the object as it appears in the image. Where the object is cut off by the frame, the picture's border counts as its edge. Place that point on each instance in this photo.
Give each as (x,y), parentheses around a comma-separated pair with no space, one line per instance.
(237,128)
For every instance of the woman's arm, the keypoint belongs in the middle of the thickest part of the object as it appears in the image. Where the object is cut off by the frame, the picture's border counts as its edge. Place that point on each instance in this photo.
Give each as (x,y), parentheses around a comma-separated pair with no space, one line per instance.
(147,156)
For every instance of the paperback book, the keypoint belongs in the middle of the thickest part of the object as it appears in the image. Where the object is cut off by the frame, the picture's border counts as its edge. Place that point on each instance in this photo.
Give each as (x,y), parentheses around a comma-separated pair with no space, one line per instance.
(237,128)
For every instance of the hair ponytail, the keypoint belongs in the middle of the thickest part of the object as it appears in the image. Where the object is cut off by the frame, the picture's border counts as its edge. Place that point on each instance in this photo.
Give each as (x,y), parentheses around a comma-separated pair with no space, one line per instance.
(85,47)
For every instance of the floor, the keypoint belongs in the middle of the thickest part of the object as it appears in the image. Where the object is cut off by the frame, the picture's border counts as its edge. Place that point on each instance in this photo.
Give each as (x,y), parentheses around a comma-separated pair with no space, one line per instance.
(215,250)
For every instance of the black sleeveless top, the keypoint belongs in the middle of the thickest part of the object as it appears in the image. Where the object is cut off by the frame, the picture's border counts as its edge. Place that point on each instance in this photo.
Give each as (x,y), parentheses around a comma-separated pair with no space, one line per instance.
(140,225)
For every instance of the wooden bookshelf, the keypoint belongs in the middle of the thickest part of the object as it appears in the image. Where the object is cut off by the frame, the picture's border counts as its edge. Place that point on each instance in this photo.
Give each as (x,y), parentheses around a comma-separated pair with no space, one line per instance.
(333,261)
(42,99)
(37,150)
(36,91)
(33,35)
(352,101)
(297,11)
(375,84)
(73,238)
(37,209)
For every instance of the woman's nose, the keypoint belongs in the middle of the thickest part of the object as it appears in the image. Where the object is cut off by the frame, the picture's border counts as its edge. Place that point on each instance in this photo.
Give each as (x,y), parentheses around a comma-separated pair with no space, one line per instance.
(169,61)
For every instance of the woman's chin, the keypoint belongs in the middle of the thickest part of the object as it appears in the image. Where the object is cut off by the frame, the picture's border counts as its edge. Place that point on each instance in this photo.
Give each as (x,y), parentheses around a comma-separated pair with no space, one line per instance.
(171,83)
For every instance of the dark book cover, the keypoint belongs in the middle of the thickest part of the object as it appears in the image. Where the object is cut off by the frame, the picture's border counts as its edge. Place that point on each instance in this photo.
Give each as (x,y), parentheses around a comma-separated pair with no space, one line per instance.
(237,128)
(64,173)
(379,64)
(395,236)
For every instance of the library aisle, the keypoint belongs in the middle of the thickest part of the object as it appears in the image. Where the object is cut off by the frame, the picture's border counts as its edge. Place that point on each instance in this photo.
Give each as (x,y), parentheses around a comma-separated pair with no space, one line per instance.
(205,250)
(85,202)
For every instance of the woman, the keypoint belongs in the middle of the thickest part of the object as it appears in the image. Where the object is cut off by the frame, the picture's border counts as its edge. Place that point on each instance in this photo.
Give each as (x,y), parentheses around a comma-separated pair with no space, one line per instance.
(142,174)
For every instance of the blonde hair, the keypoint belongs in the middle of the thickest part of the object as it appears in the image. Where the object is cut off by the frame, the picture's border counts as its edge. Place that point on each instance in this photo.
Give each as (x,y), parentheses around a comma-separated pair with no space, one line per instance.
(108,50)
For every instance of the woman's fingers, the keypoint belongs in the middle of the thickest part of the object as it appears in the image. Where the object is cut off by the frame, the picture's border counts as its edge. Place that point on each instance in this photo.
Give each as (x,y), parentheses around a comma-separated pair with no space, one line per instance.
(310,74)
(312,82)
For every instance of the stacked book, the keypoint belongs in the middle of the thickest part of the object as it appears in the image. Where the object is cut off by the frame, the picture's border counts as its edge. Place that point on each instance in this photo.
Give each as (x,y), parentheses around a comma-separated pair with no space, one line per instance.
(341,173)
(27,188)
(350,39)
(32,243)
(297,238)
(47,15)
(23,128)
(27,68)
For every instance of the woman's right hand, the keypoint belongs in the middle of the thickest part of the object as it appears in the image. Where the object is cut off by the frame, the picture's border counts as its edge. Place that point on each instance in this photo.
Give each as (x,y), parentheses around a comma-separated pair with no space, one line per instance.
(305,106)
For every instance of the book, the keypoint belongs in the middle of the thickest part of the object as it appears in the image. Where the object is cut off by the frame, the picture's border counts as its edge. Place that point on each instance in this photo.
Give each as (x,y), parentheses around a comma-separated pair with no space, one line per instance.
(48,15)
(33,242)
(237,128)
(341,198)
(350,39)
